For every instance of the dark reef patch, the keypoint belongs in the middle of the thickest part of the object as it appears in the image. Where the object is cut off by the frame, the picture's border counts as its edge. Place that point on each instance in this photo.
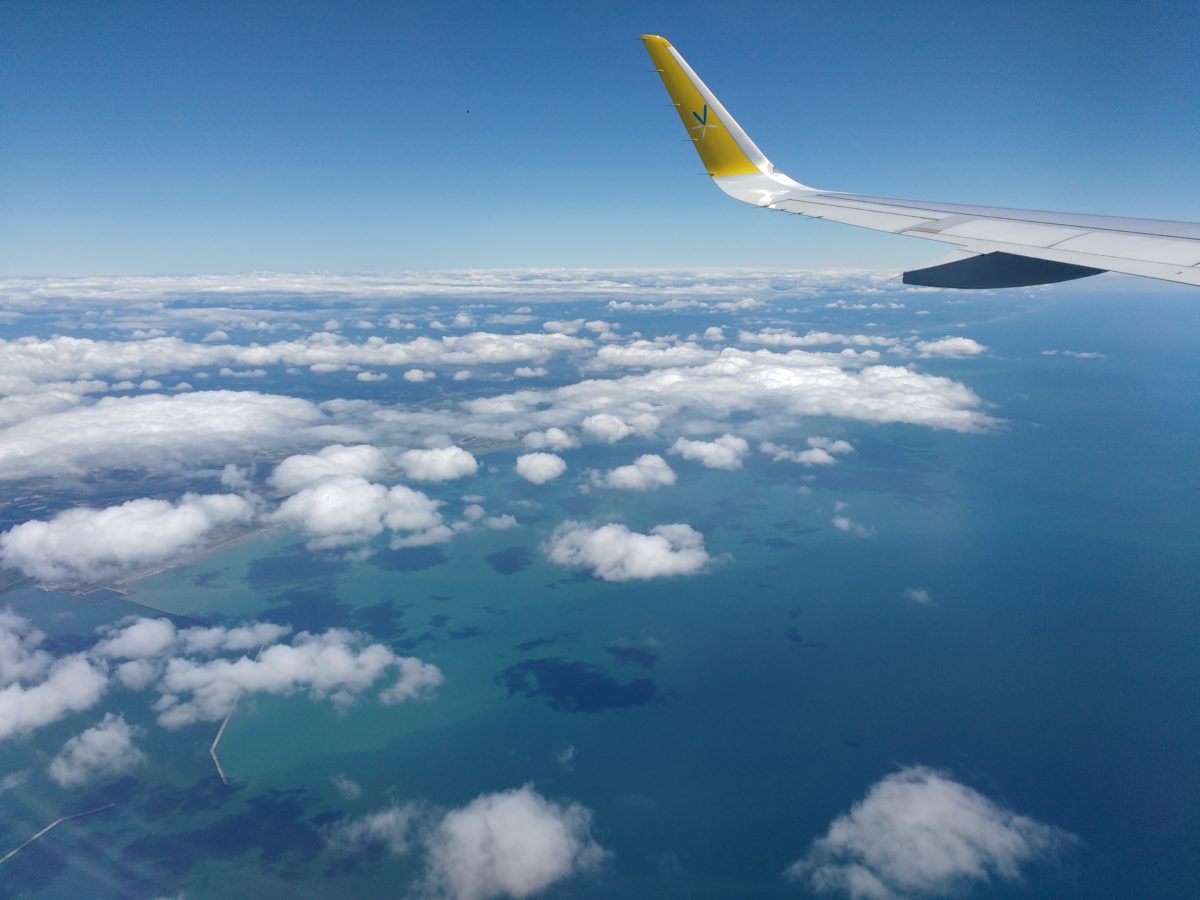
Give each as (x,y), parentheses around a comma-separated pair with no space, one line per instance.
(574,686)
(381,619)
(793,634)
(309,610)
(510,560)
(295,566)
(409,559)
(633,656)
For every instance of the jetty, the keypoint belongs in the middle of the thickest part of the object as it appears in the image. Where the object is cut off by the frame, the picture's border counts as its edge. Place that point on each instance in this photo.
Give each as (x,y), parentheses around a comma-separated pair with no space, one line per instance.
(79,815)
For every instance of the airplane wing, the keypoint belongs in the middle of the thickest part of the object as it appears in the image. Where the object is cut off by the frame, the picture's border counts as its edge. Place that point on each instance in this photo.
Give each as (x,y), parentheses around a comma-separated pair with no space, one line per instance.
(997,247)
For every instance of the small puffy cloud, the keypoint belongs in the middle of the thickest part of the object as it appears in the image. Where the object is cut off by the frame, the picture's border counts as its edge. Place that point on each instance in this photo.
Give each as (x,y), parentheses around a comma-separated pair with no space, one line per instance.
(390,829)
(848,525)
(509,844)
(1077,354)
(500,523)
(918,595)
(21,656)
(103,751)
(419,375)
(81,545)
(822,451)
(139,639)
(550,439)
(614,553)
(645,473)
(71,684)
(919,833)
(371,376)
(540,467)
(300,471)
(440,464)
(235,478)
(725,452)
(347,509)
(529,371)
(950,348)
(606,427)
(347,788)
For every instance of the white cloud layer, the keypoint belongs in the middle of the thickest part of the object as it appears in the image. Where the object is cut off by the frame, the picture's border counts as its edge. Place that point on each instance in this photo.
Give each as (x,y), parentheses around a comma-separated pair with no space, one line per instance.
(614,553)
(88,545)
(158,432)
(918,833)
(540,467)
(102,751)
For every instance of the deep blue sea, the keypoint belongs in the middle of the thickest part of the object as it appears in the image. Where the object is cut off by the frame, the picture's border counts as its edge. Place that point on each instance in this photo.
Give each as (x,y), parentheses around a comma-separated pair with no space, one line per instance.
(714,725)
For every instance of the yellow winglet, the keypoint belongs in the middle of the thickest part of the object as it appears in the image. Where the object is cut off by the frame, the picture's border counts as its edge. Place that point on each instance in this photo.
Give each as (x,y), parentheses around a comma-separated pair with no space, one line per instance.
(720,141)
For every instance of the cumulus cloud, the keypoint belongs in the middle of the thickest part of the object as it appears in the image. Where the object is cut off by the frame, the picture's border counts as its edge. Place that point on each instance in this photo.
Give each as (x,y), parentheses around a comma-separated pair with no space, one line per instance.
(606,427)
(918,595)
(540,467)
(102,751)
(950,348)
(440,464)
(302,470)
(328,665)
(645,473)
(919,833)
(822,451)
(390,829)
(550,439)
(419,375)
(138,638)
(346,509)
(725,452)
(347,788)
(21,656)
(614,553)
(1077,354)
(81,545)
(71,684)
(848,525)
(510,844)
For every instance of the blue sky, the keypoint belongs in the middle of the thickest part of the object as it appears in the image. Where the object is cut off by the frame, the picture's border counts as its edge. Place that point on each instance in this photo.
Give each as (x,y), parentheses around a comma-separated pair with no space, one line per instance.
(189,137)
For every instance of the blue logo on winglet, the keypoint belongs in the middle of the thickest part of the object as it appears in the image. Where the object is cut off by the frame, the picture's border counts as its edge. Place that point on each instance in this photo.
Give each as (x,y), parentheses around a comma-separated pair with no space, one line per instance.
(704,123)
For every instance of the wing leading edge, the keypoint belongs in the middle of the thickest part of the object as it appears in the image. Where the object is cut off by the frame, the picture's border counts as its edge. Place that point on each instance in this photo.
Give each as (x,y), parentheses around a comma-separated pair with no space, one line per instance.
(997,247)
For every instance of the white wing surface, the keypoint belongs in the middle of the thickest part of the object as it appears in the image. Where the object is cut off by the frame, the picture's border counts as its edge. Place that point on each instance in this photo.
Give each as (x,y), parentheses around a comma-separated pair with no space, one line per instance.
(996,247)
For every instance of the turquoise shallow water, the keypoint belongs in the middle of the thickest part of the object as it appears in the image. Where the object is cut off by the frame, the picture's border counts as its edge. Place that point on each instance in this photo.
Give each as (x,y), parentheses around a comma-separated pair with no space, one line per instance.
(720,722)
